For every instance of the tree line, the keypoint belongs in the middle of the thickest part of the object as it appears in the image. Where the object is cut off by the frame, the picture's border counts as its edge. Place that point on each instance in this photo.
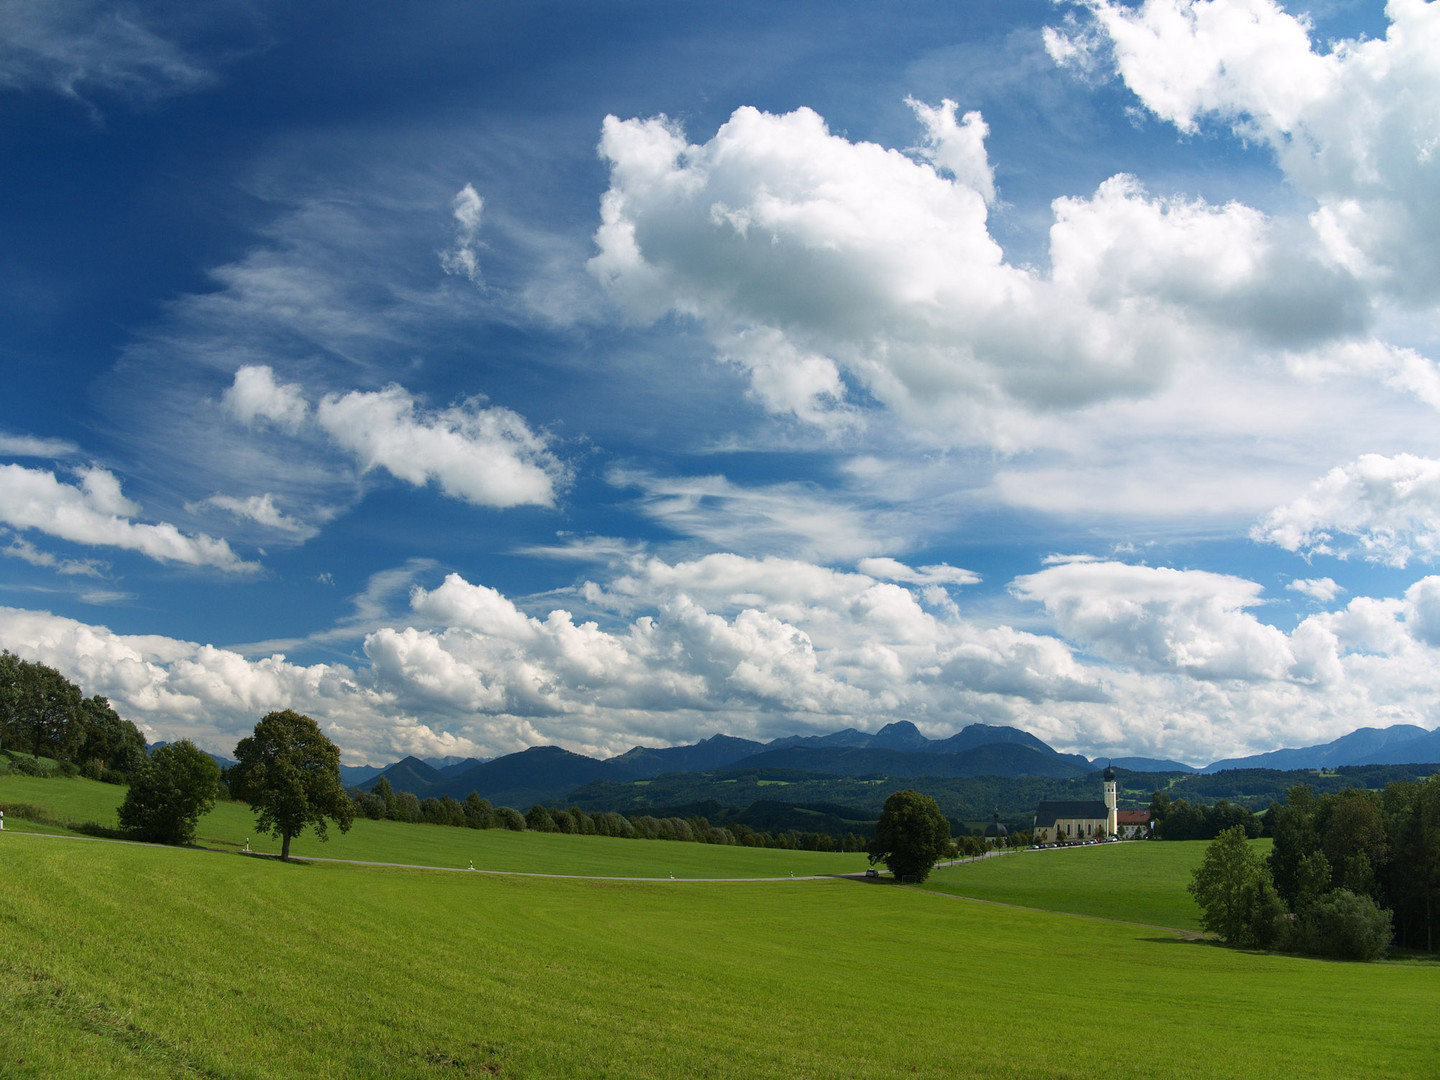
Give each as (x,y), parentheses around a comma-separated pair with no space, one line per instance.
(474,812)
(44,714)
(1347,873)
(1180,819)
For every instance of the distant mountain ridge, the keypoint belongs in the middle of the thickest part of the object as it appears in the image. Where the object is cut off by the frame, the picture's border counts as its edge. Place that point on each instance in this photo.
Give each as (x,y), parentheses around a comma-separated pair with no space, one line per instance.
(547,774)
(1400,744)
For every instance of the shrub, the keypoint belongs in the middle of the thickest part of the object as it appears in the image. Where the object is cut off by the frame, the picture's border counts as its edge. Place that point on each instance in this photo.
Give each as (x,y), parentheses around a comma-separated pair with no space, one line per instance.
(1346,926)
(407,807)
(479,814)
(369,805)
(510,818)
(1270,925)
(31,766)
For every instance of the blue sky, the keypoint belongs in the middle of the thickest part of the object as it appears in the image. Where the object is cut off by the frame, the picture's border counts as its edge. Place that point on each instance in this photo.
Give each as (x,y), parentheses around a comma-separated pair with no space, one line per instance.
(600,375)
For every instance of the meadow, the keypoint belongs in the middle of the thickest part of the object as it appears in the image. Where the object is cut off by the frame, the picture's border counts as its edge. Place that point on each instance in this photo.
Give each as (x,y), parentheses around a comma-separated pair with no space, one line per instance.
(230,825)
(141,961)
(1136,882)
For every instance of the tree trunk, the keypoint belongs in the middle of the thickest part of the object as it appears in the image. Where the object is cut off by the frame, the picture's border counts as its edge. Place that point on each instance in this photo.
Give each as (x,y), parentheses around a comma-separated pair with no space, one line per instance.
(285,847)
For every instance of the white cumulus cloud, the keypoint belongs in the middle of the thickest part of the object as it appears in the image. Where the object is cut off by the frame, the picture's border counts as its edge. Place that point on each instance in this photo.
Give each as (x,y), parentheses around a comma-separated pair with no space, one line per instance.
(485,455)
(817,264)
(1322,590)
(95,512)
(34,446)
(463,257)
(1387,507)
(1161,619)
(482,454)
(255,395)
(1354,128)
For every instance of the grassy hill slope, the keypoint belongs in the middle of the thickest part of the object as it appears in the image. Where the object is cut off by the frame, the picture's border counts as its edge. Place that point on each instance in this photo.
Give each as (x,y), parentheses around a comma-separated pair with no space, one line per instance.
(229,825)
(151,962)
(1143,883)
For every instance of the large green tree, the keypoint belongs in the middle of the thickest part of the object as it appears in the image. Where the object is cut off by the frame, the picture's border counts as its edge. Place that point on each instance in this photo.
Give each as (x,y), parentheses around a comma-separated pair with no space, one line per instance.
(40,710)
(116,744)
(169,792)
(1296,836)
(289,773)
(44,713)
(911,836)
(1228,885)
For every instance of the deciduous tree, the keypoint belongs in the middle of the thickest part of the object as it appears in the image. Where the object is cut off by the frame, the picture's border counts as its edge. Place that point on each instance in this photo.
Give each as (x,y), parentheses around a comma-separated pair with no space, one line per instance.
(169,792)
(1226,885)
(911,836)
(289,773)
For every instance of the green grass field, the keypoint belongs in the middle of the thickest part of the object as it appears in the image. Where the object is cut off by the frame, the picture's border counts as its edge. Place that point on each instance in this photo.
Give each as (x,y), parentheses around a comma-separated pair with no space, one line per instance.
(119,960)
(1136,882)
(229,825)
(141,961)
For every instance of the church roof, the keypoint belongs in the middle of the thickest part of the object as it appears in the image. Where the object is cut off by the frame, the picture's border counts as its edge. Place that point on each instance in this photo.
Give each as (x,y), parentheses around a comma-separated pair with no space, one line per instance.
(1047,813)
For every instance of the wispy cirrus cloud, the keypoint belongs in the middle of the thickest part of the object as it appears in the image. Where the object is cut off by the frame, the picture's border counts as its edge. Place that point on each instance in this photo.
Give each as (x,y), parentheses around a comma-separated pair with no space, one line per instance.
(75,48)
(263,511)
(785,518)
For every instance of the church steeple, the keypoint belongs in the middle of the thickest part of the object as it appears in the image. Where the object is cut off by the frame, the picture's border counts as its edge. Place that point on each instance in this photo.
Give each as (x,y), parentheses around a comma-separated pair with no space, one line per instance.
(1112,823)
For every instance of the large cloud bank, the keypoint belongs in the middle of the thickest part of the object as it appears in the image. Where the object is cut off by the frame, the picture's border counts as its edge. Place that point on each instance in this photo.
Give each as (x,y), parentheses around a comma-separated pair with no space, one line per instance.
(1147,660)
(822,267)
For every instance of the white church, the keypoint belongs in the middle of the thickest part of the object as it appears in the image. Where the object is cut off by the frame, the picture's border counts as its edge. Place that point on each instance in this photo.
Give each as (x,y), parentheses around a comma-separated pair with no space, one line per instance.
(1089,819)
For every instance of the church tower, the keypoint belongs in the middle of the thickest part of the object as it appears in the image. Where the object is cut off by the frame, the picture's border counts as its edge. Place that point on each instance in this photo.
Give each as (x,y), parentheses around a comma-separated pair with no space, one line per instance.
(1112,827)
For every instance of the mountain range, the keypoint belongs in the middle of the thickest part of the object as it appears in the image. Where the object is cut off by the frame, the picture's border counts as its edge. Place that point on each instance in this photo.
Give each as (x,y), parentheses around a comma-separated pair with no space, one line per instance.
(547,774)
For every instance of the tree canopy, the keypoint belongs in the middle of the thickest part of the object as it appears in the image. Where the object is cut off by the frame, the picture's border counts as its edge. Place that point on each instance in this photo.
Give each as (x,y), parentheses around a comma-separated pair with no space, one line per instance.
(1226,885)
(289,773)
(911,836)
(169,792)
(44,713)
